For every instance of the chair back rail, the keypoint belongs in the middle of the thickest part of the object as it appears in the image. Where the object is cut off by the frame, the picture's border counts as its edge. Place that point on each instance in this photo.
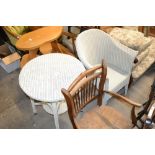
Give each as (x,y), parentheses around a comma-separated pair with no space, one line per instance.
(84,89)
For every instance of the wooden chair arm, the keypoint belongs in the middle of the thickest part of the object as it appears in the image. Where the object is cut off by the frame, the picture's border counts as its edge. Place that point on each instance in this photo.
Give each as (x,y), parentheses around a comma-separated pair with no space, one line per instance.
(11,33)
(122,98)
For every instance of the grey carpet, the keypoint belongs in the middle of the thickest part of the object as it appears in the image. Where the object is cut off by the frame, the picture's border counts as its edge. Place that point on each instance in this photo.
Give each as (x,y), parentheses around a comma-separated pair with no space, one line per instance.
(16,111)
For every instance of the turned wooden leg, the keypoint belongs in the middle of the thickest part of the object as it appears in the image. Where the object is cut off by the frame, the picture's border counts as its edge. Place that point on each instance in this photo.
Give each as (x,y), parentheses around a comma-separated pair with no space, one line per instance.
(55,47)
(27,57)
(32,53)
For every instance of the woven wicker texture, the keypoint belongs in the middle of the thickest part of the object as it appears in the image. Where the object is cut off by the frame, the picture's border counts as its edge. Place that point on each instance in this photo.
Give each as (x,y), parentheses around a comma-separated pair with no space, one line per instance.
(43,77)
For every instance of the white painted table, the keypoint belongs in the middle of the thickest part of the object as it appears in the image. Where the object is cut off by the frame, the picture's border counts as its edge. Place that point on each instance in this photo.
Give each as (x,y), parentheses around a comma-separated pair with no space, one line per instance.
(43,78)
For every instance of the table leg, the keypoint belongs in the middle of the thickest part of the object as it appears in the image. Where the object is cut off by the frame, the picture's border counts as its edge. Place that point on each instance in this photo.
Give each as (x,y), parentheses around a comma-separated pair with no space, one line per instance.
(27,57)
(33,106)
(54,106)
(32,53)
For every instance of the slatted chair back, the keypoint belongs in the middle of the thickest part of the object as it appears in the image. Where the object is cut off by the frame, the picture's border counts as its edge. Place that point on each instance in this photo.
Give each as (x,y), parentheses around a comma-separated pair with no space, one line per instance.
(87,87)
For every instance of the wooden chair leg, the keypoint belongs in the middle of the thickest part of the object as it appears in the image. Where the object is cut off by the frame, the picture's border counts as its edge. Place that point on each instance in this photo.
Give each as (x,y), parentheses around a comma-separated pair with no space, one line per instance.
(65,50)
(82,29)
(55,47)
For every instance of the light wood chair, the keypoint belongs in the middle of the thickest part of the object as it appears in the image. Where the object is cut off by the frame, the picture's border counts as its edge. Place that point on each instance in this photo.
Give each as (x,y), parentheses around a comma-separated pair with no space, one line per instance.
(66,43)
(83,28)
(57,46)
(87,87)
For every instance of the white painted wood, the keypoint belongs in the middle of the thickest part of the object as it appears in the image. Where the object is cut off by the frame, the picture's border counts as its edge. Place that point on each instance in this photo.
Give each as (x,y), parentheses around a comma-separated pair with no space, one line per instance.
(54,107)
(33,106)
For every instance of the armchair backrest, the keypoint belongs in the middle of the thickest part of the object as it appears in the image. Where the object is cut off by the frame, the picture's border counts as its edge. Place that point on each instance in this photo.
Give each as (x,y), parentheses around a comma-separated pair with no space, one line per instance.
(94,45)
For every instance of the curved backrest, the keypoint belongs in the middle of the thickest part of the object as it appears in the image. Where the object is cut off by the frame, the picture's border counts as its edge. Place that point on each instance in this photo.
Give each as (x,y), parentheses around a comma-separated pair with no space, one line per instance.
(91,44)
(94,45)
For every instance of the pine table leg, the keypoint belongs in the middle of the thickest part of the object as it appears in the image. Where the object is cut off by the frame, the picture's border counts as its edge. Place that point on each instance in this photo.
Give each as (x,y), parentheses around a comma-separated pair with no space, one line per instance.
(27,57)
(33,53)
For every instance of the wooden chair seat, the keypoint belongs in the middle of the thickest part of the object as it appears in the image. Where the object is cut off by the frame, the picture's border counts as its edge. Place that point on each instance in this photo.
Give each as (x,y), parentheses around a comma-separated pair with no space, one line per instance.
(104,117)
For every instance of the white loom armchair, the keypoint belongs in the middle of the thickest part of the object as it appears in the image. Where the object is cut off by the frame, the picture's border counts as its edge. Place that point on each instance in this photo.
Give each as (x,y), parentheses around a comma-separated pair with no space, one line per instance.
(94,45)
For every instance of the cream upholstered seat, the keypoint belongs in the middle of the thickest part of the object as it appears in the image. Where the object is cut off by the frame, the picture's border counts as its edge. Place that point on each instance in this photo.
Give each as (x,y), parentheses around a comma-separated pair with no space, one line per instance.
(94,45)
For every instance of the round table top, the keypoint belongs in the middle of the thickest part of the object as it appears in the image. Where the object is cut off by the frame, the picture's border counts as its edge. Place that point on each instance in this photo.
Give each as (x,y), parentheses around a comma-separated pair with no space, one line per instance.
(43,77)
(33,40)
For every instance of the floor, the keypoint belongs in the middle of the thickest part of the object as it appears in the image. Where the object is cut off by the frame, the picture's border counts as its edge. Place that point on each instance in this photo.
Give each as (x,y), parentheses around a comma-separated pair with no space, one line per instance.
(16,111)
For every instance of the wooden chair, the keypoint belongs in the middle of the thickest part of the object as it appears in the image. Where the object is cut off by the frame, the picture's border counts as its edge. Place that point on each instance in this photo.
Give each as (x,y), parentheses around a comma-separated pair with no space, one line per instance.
(67,40)
(87,87)
(57,46)
(83,28)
